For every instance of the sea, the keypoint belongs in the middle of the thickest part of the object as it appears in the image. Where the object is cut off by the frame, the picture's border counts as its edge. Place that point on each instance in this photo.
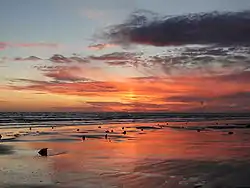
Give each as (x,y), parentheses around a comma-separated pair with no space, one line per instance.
(24,119)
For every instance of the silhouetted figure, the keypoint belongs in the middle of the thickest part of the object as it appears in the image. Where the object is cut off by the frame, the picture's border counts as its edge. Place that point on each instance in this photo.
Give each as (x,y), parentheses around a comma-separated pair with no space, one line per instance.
(0,136)
(124,132)
(78,129)
(112,131)
(167,123)
(52,127)
(43,152)
(107,131)
(106,136)
(122,128)
(99,127)
(30,128)
(141,129)
(83,138)
(230,132)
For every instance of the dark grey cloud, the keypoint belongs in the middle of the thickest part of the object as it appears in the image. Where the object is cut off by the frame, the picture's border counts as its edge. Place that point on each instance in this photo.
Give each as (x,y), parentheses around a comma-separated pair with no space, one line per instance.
(116,56)
(121,59)
(46,68)
(57,58)
(29,81)
(30,58)
(220,28)
(179,64)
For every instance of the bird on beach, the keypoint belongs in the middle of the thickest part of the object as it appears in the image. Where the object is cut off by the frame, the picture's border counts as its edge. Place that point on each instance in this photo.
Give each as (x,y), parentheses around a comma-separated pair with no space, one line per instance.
(112,130)
(230,132)
(43,152)
(78,129)
(122,128)
(124,132)
(106,136)
(107,131)
(83,138)
(52,127)
(30,128)
(99,127)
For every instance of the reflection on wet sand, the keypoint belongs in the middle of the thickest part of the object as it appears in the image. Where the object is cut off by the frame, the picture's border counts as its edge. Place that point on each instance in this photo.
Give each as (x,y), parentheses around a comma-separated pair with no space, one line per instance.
(160,157)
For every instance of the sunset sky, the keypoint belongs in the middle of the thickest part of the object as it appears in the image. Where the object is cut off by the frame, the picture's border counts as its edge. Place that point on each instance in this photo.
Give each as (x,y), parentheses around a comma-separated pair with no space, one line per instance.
(117,55)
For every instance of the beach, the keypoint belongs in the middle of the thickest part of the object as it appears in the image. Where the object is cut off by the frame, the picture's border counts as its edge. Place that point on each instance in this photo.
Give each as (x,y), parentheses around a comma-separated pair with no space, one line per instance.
(173,154)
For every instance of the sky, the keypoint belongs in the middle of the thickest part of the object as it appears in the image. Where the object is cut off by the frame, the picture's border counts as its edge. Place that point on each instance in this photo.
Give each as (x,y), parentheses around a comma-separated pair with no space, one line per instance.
(130,56)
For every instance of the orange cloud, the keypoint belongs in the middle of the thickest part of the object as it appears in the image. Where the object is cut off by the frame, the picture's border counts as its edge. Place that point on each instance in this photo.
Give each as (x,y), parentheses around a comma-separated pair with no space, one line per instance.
(101,46)
(176,93)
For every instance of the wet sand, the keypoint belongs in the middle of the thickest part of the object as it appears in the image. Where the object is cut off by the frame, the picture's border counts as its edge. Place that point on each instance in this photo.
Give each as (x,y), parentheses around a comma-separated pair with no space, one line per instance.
(148,155)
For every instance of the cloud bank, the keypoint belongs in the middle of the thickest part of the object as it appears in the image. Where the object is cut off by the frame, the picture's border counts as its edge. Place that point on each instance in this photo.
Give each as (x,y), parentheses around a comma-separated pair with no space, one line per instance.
(220,28)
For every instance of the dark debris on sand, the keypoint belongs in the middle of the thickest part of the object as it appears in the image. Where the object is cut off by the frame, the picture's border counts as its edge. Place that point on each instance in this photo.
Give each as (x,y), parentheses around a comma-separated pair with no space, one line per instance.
(147,127)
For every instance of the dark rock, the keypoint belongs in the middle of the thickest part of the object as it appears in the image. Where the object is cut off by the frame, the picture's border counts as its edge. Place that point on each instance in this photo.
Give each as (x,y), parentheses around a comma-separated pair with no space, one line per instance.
(43,152)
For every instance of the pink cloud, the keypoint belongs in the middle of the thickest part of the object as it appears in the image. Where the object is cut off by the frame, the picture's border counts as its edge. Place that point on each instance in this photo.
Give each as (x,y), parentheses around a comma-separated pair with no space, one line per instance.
(27,45)
(4,45)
